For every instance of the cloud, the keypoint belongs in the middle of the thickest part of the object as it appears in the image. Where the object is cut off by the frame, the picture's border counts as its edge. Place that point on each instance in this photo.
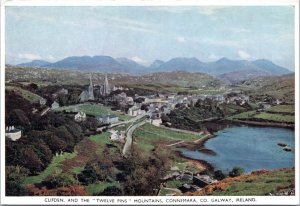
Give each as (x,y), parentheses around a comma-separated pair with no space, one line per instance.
(50,58)
(244,55)
(139,60)
(28,56)
(180,39)
(213,57)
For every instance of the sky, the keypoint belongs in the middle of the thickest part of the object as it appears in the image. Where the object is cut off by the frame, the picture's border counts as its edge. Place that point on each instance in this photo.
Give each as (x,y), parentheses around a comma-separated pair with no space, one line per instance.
(145,34)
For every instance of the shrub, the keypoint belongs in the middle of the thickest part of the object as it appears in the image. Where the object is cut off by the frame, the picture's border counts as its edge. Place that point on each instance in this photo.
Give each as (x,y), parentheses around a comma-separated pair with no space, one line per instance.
(236,171)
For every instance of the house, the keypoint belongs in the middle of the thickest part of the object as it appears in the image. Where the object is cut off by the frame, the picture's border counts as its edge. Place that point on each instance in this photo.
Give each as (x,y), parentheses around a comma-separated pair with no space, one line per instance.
(155,118)
(117,135)
(13,133)
(133,111)
(80,117)
(108,119)
(63,91)
(42,101)
(54,105)
(203,180)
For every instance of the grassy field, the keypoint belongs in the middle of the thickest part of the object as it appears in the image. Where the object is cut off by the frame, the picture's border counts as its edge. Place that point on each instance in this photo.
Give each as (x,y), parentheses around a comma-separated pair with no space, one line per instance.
(34,98)
(165,192)
(276,117)
(260,185)
(51,169)
(96,188)
(264,116)
(95,110)
(148,135)
(282,109)
(243,115)
(101,140)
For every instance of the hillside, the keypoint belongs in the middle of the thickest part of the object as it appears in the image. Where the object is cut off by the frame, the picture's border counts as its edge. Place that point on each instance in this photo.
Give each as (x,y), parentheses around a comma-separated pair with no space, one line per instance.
(57,76)
(257,183)
(280,87)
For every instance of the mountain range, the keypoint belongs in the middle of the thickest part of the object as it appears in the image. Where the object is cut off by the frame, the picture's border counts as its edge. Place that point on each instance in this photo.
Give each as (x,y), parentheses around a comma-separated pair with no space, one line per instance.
(224,69)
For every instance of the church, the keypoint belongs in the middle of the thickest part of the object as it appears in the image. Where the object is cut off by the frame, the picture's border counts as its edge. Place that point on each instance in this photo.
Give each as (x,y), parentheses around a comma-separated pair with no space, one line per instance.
(89,94)
(104,90)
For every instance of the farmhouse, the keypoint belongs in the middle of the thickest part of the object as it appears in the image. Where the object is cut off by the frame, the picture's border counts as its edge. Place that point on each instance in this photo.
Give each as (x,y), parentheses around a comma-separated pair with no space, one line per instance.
(54,105)
(80,117)
(13,133)
(108,119)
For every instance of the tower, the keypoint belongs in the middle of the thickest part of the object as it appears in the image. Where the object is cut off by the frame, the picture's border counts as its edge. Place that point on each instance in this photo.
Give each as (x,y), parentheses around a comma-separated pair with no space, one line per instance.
(91,89)
(106,89)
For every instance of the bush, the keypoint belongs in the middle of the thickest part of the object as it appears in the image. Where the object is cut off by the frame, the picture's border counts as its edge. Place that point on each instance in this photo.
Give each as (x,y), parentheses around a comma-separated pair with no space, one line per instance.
(88,175)
(236,171)
(111,191)
(219,175)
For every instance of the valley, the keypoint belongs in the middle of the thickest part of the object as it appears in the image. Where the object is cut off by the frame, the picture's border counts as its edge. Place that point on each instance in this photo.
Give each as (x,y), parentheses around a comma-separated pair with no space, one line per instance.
(81,137)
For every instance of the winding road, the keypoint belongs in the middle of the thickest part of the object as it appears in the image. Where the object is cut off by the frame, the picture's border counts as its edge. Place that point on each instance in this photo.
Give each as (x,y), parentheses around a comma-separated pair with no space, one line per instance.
(129,133)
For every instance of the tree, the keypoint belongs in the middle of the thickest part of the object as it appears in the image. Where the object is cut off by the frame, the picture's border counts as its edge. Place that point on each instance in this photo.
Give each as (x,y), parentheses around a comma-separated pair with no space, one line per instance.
(33,86)
(60,180)
(18,117)
(144,173)
(88,175)
(14,175)
(111,191)
(219,175)
(236,171)
(31,160)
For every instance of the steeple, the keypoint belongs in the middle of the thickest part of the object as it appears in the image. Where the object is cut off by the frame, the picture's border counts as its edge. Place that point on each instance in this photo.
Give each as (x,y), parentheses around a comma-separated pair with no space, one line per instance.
(106,89)
(91,89)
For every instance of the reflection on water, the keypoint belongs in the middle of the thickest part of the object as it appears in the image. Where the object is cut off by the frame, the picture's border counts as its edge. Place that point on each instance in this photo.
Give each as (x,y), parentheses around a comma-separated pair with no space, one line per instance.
(249,147)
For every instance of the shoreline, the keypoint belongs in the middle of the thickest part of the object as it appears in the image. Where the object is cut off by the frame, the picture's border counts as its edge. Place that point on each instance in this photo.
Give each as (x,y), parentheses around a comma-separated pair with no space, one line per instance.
(199,143)
(199,163)
(261,124)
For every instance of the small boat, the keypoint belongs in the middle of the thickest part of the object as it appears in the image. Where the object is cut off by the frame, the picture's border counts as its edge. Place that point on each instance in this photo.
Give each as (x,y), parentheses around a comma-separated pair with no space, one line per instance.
(282,144)
(287,149)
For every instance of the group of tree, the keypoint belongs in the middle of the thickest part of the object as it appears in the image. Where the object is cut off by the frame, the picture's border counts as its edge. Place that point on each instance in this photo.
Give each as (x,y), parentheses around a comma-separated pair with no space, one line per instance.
(143,173)
(235,172)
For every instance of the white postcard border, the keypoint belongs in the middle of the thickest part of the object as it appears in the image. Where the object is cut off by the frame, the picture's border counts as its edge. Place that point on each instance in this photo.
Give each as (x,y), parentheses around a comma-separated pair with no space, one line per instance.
(207,200)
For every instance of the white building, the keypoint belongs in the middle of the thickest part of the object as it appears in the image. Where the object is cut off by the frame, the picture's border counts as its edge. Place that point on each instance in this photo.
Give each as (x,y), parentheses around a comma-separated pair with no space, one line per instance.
(133,111)
(108,119)
(156,122)
(42,101)
(80,117)
(117,135)
(54,105)
(13,133)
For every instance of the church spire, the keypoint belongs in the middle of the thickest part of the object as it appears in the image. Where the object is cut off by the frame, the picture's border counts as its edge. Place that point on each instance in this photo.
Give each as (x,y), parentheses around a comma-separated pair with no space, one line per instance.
(91,89)
(106,86)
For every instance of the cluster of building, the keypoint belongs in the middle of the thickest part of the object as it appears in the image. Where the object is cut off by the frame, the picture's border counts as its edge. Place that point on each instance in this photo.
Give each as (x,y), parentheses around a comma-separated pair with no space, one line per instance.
(103,89)
(196,181)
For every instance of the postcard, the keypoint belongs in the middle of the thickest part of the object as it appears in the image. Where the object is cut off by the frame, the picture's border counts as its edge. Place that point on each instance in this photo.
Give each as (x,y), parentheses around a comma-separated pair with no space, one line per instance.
(150,103)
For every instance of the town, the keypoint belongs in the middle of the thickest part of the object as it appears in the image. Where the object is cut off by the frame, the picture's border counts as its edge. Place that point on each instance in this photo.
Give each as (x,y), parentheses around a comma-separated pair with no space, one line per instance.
(119,117)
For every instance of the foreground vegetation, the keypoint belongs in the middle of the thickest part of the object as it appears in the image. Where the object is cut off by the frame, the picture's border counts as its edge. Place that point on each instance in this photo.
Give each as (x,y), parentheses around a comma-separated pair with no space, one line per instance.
(257,183)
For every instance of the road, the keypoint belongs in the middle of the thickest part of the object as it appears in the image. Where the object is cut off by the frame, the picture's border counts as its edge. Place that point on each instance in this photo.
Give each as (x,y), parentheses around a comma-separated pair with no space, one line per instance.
(129,121)
(129,133)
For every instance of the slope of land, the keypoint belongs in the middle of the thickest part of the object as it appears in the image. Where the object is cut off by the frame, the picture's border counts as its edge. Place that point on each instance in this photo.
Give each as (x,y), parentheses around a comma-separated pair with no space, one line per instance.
(260,183)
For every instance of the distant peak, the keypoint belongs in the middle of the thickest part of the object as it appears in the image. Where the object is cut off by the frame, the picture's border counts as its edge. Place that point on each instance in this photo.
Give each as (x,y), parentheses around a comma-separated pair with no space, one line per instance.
(224,59)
